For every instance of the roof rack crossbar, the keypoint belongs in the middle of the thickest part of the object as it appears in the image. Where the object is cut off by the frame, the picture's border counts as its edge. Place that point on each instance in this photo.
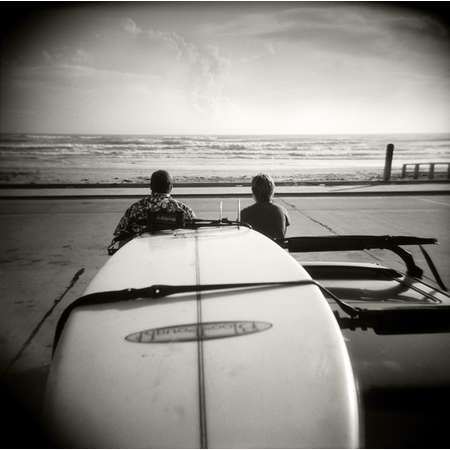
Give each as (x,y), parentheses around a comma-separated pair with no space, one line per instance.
(359,242)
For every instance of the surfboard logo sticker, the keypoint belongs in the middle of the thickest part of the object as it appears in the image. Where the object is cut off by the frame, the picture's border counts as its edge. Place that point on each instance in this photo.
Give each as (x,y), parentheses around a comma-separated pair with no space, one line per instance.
(196,332)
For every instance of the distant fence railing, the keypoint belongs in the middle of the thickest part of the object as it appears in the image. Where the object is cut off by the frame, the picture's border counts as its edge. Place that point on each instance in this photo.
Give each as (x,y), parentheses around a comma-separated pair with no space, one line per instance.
(431,169)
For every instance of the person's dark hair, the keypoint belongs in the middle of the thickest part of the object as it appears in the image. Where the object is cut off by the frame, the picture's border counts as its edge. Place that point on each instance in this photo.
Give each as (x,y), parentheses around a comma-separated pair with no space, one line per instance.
(263,187)
(161,182)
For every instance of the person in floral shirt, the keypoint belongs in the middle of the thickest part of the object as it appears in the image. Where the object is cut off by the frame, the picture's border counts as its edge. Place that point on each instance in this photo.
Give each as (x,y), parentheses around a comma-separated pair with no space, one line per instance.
(134,221)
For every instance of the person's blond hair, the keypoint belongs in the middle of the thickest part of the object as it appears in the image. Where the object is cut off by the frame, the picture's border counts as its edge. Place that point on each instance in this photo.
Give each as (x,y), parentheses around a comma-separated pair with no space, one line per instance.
(263,187)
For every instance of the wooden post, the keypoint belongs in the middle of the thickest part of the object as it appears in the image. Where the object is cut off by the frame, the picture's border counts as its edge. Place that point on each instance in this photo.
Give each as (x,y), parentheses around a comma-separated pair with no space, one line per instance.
(416,171)
(404,170)
(388,162)
(431,172)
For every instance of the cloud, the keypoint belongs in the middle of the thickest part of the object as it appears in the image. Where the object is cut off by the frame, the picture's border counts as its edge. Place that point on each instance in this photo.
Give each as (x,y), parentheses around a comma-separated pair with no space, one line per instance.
(270,47)
(66,56)
(129,26)
(74,67)
(364,30)
(207,69)
(204,64)
(71,76)
(351,29)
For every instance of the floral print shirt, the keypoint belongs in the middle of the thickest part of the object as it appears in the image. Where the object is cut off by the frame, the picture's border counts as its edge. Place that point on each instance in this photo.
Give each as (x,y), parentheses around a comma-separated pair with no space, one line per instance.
(134,221)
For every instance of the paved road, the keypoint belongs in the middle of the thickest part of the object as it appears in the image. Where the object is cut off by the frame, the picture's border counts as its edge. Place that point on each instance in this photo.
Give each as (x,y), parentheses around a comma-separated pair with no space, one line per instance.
(52,248)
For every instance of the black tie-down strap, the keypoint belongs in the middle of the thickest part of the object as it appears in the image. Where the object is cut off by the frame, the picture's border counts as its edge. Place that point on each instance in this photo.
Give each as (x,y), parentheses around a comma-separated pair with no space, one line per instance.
(386,320)
(158,291)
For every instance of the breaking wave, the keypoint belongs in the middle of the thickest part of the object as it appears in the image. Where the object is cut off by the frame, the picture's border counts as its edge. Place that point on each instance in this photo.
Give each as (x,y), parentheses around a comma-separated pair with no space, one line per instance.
(92,150)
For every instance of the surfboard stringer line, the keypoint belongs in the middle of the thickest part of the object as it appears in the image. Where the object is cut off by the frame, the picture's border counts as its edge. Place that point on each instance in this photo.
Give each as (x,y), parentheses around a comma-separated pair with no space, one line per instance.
(200,353)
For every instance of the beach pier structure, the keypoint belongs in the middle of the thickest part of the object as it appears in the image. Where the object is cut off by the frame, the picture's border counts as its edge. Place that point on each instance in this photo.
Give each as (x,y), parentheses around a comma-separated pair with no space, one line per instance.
(388,162)
(431,169)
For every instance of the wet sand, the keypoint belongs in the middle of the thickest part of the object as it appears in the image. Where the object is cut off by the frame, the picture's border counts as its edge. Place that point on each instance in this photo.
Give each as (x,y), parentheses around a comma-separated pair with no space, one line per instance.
(139,175)
(142,175)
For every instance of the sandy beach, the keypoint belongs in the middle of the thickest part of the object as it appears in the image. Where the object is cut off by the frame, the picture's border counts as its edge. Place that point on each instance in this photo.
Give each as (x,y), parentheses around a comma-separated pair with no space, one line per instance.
(142,175)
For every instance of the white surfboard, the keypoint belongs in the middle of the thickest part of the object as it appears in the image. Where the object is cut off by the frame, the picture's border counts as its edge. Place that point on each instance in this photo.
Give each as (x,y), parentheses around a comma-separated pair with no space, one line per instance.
(270,370)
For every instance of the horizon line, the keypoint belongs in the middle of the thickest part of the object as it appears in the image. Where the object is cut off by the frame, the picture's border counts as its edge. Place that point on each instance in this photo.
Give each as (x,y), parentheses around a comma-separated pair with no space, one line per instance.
(389,133)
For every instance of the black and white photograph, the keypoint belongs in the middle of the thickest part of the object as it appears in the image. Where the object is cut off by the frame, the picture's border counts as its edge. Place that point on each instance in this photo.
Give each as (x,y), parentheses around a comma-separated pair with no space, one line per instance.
(225,224)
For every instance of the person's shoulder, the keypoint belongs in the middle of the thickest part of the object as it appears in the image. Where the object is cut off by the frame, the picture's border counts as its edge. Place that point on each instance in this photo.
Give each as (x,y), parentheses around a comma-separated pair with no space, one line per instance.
(138,204)
(183,206)
(249,209)
(179,203)
(281,209)
(256,206)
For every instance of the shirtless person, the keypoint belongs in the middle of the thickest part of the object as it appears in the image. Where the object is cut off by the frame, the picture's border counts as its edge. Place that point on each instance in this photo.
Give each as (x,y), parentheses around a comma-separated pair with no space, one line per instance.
(265,216)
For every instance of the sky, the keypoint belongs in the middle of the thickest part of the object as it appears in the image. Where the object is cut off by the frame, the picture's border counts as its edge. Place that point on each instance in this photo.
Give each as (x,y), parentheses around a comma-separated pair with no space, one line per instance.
(224,68)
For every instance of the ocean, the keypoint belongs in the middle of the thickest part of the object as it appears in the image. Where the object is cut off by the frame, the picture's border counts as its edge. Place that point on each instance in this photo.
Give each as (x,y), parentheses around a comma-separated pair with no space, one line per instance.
(119,158)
